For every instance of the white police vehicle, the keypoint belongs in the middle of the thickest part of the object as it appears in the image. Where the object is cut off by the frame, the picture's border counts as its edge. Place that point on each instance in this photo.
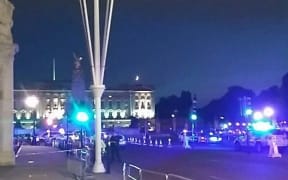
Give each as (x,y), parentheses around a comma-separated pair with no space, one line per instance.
(260,141)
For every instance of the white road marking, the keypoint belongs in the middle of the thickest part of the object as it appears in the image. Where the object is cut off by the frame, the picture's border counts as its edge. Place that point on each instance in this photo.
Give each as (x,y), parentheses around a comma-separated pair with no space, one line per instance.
(18,152)
(31,162)
(216,178)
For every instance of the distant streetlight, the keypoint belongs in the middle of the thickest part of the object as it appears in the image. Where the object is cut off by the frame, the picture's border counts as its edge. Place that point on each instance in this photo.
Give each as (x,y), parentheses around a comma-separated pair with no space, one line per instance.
(137,78)
(248,112)
(194,117)
(49,121)
(32,102)
(268,112)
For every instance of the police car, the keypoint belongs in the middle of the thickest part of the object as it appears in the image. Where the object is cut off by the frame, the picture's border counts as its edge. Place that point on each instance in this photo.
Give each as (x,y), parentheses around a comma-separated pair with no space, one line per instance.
(260,141)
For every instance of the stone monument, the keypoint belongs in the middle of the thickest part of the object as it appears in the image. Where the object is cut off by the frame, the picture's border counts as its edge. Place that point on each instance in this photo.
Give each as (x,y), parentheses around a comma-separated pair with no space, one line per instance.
(7,52)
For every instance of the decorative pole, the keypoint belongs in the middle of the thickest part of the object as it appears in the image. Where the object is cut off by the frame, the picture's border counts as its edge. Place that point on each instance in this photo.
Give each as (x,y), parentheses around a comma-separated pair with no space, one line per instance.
(98,62)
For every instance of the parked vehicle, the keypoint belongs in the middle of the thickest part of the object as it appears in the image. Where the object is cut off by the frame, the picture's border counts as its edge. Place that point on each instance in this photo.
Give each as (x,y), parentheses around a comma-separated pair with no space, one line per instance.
(260,141)
(47,138)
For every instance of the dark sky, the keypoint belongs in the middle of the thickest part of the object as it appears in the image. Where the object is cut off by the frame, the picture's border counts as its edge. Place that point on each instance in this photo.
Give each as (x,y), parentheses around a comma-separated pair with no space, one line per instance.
(199,45)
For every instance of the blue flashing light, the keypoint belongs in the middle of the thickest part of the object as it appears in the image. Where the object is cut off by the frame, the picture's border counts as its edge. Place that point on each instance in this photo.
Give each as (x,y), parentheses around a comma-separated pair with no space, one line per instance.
(262,126)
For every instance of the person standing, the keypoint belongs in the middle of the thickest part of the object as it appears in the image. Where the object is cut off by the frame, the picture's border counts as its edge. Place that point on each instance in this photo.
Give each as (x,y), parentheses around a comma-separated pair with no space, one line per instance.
(115,154)
(106,154)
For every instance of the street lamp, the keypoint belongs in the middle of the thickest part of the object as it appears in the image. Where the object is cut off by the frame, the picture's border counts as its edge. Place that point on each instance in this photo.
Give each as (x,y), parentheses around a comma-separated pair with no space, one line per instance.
(268,112)
(248,112)
(32,102)
(98,63)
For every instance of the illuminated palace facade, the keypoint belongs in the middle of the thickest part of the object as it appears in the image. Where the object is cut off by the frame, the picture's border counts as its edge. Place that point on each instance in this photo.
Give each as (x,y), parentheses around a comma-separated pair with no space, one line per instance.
(118,105)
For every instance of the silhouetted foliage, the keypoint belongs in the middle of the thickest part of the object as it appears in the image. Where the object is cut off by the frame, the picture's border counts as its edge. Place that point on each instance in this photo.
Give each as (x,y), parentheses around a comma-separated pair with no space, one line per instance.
(228,105)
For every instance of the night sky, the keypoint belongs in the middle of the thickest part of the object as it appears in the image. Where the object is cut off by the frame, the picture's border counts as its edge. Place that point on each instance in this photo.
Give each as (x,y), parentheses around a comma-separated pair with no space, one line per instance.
(203,46)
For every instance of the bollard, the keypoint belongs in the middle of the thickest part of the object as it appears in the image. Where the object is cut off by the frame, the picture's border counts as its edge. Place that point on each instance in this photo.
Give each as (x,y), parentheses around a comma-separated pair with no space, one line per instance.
(160,143)
(139,141)
(169,142)
(144,142)
(156,142)
(273,148)
(151,144)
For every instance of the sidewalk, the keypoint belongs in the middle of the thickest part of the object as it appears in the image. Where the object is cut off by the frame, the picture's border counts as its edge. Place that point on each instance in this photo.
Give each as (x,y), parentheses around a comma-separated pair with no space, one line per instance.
(47,163)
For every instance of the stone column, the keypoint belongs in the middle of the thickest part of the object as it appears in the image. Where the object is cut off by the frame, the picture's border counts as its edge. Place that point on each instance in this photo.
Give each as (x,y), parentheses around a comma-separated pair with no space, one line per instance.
(7,52)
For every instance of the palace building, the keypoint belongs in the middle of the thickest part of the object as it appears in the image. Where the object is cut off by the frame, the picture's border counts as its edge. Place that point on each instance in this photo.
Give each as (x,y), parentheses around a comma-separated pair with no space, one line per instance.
(118,105)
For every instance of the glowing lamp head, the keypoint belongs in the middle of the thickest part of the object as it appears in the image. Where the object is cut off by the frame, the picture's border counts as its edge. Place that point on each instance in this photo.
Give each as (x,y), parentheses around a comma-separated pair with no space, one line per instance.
(31,101)
(62,131)
(49,121)
(257,115)
(82,116)
(268,112)
(194,117)
(248,112)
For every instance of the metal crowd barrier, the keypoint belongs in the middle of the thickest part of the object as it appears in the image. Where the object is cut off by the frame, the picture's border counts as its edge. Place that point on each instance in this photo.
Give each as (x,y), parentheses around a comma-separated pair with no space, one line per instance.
(78,163)
(132,172)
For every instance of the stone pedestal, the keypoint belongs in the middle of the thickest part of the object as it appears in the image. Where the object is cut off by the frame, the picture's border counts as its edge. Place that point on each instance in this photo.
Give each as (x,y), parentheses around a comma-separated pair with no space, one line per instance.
(7,52)
(6,106)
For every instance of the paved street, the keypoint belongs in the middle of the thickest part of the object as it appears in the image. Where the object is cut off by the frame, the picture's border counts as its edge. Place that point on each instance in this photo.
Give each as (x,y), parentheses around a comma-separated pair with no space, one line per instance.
(200,164)
(46,163)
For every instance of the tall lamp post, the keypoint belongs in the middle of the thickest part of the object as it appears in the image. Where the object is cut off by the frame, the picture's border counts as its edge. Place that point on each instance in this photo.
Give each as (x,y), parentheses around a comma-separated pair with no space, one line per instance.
(32,102)
(98,62)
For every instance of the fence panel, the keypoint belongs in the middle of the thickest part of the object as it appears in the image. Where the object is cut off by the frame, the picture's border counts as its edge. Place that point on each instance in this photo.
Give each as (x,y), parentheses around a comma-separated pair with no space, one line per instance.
(132,172)
(153,175)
